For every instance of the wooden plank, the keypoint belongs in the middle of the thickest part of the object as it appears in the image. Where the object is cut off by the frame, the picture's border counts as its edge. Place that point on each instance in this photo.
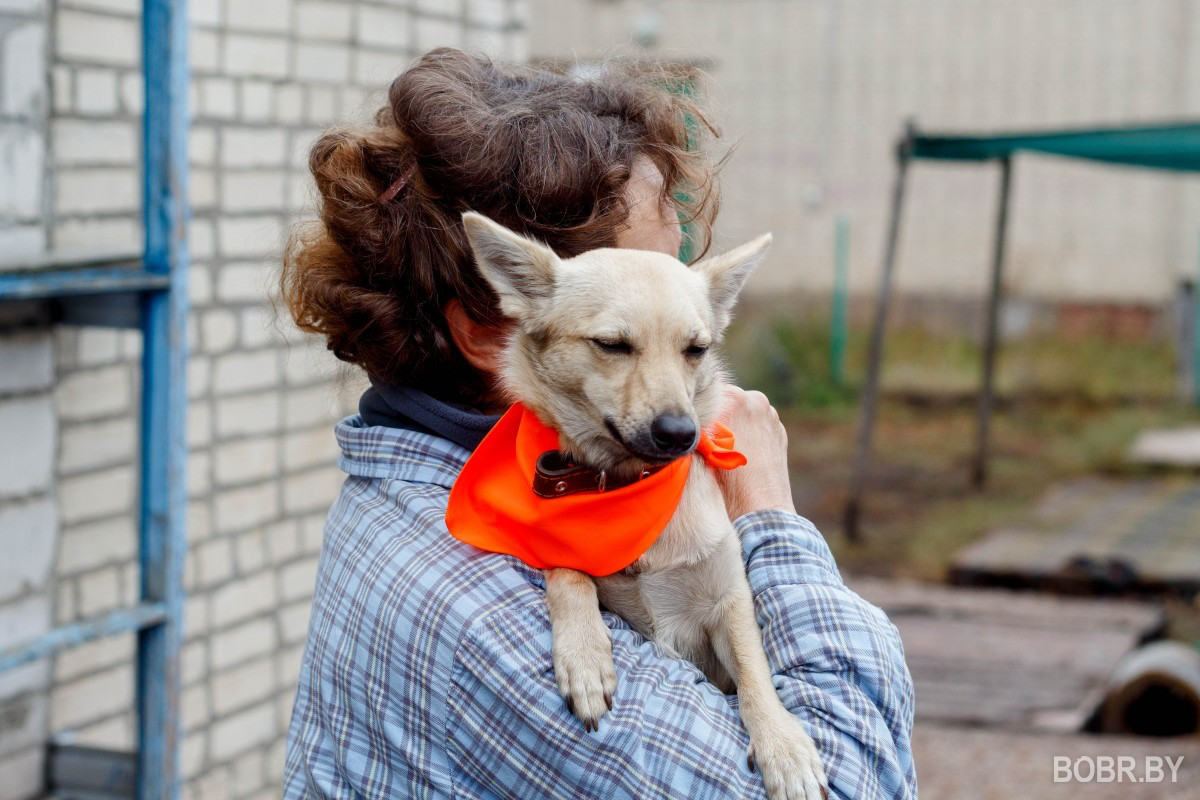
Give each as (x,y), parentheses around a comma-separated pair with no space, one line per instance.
(1178,447)
(1097,536)
(1002,658)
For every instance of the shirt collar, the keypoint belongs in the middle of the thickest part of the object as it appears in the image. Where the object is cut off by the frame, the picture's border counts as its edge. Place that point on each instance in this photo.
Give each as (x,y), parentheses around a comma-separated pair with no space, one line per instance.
(372,451)
(398,406)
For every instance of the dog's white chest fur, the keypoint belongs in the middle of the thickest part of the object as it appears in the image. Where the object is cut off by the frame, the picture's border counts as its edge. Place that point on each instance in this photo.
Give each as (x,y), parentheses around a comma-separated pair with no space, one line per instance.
(683,580)
(691,536)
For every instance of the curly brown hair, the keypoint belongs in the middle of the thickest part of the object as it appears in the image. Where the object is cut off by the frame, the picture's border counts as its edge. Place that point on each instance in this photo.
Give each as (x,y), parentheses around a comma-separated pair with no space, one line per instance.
(545,154)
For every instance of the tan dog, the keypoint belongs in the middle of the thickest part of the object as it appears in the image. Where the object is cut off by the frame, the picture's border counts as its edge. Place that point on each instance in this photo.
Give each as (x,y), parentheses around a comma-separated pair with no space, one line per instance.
(613,350)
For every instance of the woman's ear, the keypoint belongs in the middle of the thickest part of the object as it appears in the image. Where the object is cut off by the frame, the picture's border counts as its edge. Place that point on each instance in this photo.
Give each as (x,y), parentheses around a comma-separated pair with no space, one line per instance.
(482,345)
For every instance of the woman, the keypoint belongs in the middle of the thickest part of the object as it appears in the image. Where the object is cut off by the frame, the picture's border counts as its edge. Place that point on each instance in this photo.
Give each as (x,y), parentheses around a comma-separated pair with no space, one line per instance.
(428,671)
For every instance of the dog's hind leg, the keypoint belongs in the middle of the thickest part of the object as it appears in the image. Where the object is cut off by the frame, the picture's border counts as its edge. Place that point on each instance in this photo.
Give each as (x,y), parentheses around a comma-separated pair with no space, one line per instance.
(779,745)
(583,661)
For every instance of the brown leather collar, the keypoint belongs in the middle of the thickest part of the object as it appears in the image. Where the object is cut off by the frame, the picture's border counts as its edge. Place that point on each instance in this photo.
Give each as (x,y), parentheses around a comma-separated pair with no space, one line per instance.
(556,476)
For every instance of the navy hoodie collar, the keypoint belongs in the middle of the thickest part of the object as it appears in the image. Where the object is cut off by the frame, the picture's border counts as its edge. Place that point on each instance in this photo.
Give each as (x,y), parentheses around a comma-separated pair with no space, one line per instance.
(404,407)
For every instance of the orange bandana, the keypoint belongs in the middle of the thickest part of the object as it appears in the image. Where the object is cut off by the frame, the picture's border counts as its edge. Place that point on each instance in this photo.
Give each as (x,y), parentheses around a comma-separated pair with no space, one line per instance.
(493,505)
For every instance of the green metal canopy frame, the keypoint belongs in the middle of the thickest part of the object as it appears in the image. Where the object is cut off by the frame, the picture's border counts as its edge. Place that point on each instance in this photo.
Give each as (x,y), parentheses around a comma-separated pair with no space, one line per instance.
(1174,147)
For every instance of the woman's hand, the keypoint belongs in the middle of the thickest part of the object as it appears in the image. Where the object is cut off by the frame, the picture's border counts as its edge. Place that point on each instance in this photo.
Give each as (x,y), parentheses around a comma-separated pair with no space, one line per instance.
(763,483)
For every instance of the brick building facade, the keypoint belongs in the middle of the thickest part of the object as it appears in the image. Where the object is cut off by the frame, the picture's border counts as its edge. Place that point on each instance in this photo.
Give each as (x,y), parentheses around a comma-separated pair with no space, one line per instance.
(267,76)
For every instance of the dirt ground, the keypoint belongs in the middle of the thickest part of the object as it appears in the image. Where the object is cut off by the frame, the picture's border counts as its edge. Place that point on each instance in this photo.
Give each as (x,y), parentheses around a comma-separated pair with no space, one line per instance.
(956,763)
(1068,407)
(919,508)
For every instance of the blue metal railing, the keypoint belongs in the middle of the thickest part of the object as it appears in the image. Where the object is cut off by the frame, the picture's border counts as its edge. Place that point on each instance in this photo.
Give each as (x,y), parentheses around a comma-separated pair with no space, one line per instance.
(125,620)
(164,397)
(85,281)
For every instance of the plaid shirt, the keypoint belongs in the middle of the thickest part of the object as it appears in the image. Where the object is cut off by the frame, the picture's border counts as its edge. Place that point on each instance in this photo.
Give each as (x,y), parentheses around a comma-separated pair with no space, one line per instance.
(428,674)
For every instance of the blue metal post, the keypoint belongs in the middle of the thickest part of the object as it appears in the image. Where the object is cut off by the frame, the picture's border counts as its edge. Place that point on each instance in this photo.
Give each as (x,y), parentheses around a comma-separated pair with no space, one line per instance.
(163,504)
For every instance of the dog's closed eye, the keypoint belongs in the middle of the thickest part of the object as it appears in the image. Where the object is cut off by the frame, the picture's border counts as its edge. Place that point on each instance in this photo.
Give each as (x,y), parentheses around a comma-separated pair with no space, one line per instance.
(614,346)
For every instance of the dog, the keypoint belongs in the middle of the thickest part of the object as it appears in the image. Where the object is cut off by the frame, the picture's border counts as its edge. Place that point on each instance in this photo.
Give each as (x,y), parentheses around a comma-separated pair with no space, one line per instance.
(614,349)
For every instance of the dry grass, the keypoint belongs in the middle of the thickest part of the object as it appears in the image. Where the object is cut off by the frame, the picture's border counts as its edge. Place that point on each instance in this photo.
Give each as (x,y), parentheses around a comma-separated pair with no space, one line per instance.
(1068,408)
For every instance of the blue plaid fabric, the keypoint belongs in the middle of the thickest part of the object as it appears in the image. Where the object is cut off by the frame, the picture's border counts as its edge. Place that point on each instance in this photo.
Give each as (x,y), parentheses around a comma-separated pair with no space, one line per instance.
(427,672)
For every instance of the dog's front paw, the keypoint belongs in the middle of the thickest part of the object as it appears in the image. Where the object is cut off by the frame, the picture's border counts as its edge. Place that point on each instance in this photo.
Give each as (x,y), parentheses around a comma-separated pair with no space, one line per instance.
(789,762)
(584,671)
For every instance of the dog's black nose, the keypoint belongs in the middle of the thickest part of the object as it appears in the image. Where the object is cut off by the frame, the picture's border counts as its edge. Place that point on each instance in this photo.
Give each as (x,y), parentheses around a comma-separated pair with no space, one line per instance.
(673,433)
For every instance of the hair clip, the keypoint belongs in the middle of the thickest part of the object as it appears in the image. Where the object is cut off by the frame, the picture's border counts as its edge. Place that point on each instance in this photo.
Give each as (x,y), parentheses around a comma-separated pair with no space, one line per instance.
(389,194)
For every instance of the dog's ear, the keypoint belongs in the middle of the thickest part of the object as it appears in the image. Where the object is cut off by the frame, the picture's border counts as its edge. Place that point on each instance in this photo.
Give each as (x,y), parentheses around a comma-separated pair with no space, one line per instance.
(727,273)
(519,269)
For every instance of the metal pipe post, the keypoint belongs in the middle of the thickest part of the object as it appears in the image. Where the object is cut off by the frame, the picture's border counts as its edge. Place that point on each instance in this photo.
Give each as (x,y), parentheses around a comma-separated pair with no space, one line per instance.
(987,395)
(1196,341)
(866,424)
(163,505)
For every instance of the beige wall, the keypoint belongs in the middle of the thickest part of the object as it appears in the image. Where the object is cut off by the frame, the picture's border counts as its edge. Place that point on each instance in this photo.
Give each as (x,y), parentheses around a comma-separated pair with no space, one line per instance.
(817,90)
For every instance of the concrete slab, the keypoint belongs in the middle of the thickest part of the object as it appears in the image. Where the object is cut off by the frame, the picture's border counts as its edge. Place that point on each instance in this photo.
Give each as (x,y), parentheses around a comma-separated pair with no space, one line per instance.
(1177,447)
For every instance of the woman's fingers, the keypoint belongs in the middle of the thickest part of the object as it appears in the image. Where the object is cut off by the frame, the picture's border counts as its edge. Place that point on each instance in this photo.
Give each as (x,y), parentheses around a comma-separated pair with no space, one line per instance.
(760,435)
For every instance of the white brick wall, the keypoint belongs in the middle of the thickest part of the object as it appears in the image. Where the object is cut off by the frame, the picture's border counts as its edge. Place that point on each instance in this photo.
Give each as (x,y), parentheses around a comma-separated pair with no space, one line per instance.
(267,77)
(94,393)
(88,142)
(28,527)
(25,461)
(28,516)
(24,45)
(23,107)
(27,535)
(97,39)
(318,20)
(21,155)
